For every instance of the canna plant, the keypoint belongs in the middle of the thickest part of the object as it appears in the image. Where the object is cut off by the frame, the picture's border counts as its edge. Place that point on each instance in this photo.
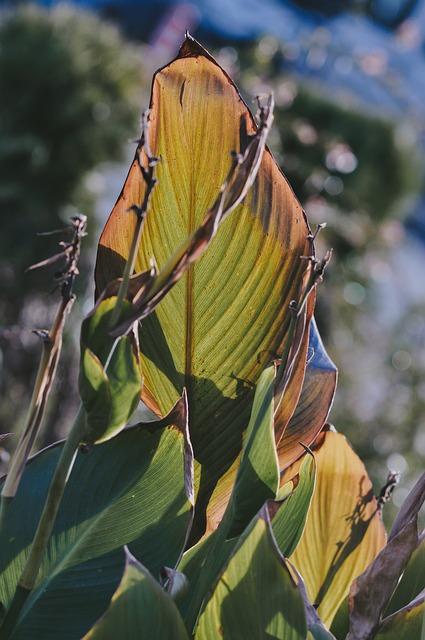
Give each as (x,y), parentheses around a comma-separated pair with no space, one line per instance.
(237,512)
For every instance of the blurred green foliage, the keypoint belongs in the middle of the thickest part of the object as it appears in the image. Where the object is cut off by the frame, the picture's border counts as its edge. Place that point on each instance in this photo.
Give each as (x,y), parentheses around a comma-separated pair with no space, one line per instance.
(70,100)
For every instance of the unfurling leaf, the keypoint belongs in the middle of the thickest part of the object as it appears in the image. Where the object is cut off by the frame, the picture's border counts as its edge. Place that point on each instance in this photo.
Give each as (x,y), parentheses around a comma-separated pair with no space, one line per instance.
(110,378)
(289,522)
(257,480)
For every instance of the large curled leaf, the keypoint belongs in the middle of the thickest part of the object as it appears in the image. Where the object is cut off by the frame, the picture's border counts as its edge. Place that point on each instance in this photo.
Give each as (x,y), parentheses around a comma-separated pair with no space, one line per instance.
(343,532)
(130,490)
(140,610)
(228,317)
(256,596)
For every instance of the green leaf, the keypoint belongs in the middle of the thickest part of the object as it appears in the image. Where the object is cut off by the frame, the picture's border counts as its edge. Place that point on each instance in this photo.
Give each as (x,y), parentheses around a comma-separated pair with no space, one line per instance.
(128,491)
(110,378)
(289,522)
(412,581)
(257,480)
(140,610)
(406,624)
(256,596)
(341,622)
(126,382)
(343,532)
(228,318)
(96,395)
(315,626)
(96,326)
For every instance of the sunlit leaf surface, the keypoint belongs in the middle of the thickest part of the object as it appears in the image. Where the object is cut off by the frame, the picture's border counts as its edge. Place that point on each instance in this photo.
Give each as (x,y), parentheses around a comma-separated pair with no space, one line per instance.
(256,596)
(140,610)
(228,318)
(343,532)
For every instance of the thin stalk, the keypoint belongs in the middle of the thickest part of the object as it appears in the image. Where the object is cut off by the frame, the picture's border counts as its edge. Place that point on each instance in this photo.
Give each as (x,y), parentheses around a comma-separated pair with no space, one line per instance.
(128,270)
(52,345)
(45,377)
(29,575)
(313,276)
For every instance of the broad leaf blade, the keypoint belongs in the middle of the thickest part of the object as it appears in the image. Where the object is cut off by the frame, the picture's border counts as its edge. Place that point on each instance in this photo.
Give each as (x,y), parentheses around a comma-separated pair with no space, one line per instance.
(343,532)
(256,596)
(140,610)
(95,393)
(130,490)
(218,328)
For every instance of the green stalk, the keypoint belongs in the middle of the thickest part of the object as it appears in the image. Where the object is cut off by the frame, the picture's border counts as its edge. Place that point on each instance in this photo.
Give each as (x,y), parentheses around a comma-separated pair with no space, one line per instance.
(29,575)
(45,377)
(128,270)
(19,458)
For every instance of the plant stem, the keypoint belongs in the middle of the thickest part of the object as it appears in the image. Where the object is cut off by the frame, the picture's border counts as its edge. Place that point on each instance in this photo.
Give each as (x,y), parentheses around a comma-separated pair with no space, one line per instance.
(52,345)
(128,270)
(52,342)
(29,575)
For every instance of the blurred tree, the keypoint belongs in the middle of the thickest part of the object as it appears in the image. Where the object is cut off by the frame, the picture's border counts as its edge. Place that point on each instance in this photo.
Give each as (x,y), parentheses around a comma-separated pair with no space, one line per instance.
(71,96)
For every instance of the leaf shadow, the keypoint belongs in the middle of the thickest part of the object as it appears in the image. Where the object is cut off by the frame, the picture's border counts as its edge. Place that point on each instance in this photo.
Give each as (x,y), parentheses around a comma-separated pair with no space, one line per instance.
(358,526)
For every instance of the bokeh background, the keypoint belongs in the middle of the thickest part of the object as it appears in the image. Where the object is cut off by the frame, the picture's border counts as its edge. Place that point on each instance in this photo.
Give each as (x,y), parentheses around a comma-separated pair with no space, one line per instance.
(349,83)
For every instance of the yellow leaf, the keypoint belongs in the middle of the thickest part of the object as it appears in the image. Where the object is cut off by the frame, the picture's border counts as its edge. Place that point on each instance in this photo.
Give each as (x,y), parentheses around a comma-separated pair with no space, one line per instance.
(228,317)
(343,532)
